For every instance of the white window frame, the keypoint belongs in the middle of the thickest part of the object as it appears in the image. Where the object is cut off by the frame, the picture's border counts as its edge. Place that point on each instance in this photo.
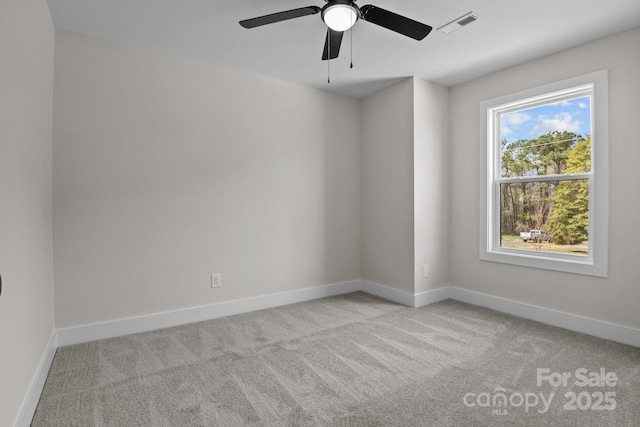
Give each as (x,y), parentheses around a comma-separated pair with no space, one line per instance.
(596,262)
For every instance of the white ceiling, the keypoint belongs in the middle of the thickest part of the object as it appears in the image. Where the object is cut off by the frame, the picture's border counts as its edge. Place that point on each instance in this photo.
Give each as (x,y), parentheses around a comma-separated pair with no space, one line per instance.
(509,32)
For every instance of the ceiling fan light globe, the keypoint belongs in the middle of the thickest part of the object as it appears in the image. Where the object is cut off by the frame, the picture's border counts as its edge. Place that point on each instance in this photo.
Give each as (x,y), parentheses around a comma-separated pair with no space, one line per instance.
(340,17)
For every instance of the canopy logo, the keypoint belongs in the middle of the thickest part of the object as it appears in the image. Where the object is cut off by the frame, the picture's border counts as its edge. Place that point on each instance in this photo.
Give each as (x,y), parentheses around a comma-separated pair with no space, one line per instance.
(498,401)
(600,399)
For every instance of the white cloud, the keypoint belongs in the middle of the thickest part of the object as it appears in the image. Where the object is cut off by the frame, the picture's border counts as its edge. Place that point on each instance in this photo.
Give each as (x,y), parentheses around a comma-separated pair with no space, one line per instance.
(560,122)
(515,119)
(583,105)
(510,120)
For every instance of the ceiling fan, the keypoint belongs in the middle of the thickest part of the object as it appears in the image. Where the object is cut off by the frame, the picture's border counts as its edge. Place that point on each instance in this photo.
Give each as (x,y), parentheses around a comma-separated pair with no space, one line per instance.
(340,15)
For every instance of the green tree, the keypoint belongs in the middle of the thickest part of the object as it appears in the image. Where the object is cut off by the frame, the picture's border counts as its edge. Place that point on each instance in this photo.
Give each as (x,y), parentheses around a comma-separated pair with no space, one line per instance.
(570,218)
(553,151)
(528,206)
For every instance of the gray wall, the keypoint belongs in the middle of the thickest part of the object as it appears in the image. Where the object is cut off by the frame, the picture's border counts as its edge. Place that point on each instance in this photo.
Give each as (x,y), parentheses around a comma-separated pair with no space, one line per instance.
(167,170)
(387,187)
(26,257)
(405,193)
(431,188)
(614,299)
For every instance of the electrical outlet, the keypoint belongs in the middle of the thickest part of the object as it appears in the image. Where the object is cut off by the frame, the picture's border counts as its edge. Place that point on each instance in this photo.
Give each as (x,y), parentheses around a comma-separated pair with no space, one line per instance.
(216,280)
(425,270)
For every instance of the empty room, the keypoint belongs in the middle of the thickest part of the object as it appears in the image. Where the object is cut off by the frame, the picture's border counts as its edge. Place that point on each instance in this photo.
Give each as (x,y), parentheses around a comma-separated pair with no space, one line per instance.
(249,213)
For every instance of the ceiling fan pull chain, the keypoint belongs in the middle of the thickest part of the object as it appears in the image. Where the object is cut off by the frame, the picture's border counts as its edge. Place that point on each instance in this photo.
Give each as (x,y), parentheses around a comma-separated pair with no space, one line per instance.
(329,57)
(351,36)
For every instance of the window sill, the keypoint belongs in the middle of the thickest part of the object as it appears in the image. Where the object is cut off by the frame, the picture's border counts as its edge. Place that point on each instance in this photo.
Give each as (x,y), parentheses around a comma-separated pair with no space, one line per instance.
(567,264)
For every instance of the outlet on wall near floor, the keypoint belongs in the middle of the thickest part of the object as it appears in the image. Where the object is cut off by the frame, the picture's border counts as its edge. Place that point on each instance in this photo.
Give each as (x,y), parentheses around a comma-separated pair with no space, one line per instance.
(425,270)
(216,280)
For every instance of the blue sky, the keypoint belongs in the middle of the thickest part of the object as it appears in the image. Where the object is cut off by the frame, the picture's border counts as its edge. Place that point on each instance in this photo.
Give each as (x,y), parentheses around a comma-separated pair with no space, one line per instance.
(571,116)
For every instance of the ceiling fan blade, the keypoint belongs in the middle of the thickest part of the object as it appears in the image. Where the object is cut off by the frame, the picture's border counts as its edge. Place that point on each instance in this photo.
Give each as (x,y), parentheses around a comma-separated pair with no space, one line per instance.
(279,16)
(394,22)
(332,44)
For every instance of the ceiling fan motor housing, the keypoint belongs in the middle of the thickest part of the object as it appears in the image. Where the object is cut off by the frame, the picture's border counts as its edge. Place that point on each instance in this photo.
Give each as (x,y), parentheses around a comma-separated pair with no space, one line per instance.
(340,15)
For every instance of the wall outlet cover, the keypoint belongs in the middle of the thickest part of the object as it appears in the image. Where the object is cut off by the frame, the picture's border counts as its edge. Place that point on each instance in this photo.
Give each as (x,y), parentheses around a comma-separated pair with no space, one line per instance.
(216,280)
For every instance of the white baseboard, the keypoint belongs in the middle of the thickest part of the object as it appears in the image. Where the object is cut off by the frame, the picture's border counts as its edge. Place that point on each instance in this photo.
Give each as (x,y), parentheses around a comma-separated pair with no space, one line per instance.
(30,401)
(120,327)
(572,322)
(390,294)
(405,298)
(432,296)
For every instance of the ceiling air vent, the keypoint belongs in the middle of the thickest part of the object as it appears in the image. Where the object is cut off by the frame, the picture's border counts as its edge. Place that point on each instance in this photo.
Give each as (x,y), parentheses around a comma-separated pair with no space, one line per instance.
(458,23)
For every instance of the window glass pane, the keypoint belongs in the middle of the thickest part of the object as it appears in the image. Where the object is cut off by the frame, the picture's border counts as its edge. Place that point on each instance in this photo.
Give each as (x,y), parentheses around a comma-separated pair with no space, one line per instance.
(548,216)
(540,140)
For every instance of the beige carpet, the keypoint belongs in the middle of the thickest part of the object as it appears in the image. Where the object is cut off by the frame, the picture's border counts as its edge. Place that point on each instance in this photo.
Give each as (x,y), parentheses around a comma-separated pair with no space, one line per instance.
(350,360)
